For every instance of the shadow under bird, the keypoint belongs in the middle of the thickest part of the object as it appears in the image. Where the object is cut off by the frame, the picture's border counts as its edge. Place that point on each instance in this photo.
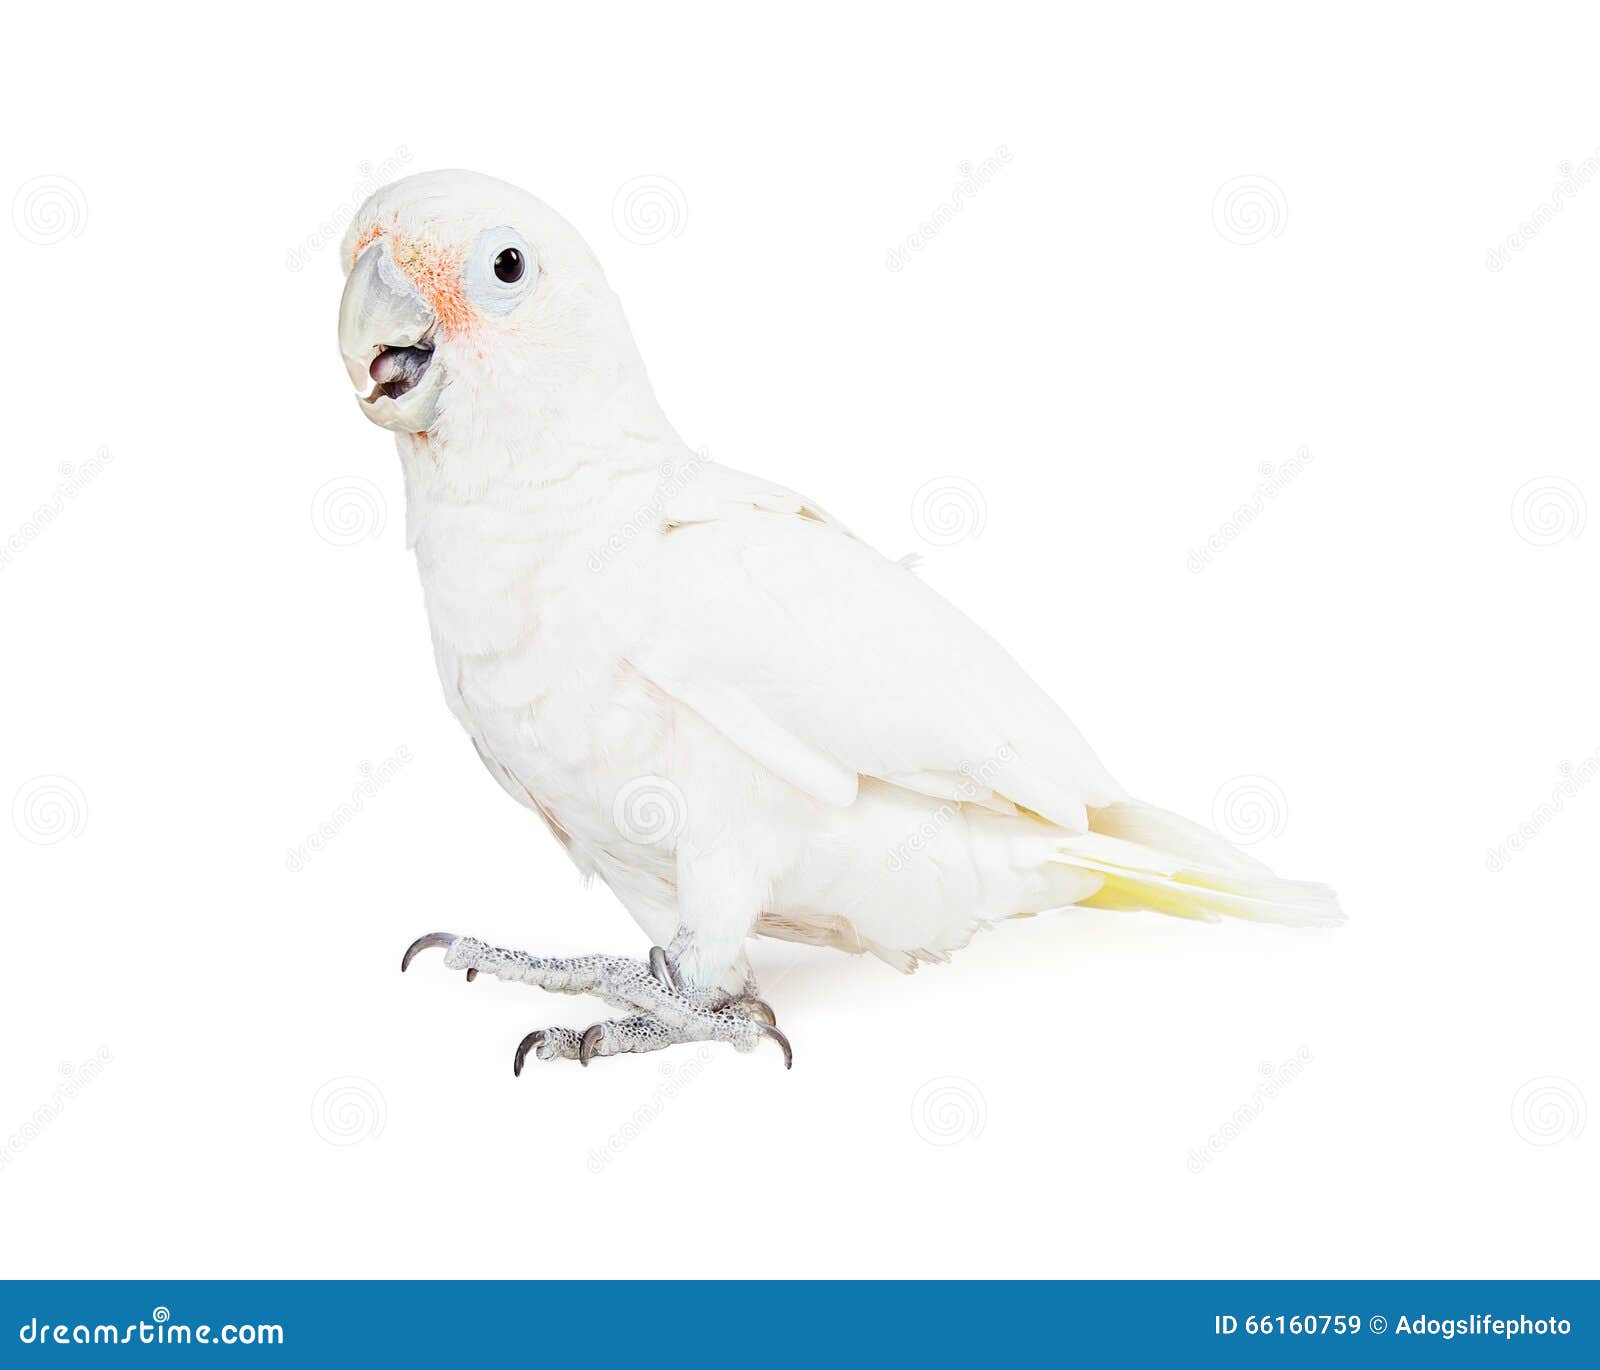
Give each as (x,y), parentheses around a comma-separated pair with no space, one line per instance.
(738,715)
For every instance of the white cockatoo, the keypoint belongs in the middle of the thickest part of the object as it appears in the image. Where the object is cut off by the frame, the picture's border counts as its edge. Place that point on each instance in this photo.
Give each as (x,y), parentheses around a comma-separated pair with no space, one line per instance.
(738,715)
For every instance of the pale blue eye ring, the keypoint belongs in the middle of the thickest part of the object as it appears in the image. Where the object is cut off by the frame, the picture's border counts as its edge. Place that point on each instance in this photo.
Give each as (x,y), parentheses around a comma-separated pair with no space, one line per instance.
(486,286)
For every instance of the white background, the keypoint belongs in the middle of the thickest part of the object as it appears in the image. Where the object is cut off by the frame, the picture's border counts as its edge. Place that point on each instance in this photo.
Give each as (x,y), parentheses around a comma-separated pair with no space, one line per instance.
(205,641)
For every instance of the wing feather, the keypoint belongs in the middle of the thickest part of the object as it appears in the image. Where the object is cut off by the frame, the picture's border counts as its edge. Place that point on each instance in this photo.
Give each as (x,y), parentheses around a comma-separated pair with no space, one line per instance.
(825,661)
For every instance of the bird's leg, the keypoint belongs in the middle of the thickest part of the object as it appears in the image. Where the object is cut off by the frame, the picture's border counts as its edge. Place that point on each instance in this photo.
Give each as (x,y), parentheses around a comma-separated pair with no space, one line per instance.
(662,1014)
(665,964)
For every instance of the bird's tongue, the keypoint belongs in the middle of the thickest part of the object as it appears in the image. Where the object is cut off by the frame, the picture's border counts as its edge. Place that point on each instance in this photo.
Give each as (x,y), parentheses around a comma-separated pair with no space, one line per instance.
(402,364)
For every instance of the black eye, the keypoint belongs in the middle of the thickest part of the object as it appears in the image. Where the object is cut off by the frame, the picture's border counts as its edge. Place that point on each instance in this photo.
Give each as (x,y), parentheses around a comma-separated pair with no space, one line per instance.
(509,266)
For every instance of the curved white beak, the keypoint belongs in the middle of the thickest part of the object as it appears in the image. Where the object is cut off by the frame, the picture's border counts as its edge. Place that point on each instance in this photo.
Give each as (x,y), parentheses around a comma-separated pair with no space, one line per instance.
(383,316)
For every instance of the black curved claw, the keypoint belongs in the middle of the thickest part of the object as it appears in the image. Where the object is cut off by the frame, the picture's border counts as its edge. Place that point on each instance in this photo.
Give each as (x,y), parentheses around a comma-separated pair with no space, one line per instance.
(759,1008)
(432,939)
(768,1030)
(532,1042)
(591,1040)
(472,974)
(661,969)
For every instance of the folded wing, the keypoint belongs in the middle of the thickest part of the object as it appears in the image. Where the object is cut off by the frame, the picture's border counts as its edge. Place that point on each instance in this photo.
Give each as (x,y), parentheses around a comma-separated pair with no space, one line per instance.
(825,661)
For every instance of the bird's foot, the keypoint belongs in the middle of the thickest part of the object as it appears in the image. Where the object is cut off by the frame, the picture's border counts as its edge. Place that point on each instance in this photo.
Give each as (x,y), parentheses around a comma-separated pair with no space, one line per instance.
(620,1036)
(662,1015)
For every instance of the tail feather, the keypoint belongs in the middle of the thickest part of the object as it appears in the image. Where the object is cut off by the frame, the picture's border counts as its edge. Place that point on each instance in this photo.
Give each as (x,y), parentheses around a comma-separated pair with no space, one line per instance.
(1171,832)
(1139,876)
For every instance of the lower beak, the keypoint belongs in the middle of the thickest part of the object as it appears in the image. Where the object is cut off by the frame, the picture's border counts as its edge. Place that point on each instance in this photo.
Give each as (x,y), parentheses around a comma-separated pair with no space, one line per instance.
(386,338)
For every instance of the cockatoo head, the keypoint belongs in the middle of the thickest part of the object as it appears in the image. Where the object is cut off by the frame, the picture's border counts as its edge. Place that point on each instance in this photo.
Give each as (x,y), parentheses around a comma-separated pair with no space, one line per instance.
(470,306)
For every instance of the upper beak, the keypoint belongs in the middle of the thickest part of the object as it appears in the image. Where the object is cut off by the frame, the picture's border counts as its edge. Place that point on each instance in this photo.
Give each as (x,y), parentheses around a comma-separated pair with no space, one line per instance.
(386,338)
